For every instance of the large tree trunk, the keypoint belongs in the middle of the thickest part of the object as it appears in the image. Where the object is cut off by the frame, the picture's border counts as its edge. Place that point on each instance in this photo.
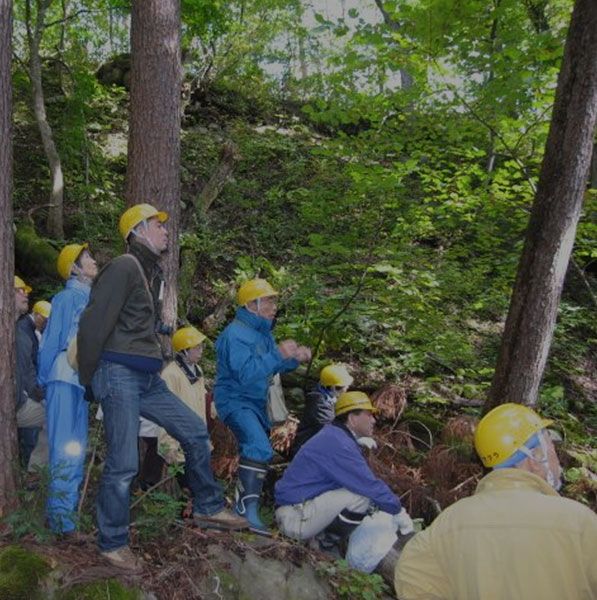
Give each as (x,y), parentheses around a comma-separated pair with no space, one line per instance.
(55,223)
(153,173)
(8,424)
(554,217)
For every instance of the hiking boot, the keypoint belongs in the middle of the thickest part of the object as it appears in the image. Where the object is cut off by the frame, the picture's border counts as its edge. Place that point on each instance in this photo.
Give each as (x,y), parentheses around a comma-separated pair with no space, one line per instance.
(124,559)
(224,519)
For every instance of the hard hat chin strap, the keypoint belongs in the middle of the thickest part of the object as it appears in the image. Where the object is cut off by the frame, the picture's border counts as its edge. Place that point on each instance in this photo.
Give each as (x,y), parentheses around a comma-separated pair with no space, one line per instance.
(143,235)
(553,478)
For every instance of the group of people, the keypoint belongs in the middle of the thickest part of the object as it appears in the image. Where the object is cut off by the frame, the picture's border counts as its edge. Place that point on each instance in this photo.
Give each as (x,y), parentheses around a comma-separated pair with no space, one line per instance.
(102,341)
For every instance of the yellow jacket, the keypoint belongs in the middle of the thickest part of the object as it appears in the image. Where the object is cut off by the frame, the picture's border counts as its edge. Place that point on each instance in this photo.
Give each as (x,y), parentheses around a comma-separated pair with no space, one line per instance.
(514,539)
(193,395)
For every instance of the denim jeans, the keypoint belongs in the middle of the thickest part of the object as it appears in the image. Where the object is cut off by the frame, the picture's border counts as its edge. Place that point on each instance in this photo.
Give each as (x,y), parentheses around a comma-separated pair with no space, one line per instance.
(124,395)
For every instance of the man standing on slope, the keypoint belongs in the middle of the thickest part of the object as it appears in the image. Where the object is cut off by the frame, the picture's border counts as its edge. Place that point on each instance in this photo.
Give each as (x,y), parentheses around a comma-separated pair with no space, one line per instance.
(66,407)
(120,357)
(247,358)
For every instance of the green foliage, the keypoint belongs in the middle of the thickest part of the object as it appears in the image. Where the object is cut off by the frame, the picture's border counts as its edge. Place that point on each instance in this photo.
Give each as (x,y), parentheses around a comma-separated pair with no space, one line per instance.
(384,182)
(20,573)
(108,589)
(156,513)
(30,516)
(350,584)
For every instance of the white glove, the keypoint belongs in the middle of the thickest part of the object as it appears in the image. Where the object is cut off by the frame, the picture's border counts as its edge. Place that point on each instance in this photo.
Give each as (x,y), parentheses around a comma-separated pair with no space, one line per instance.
(404,522)
(367,442)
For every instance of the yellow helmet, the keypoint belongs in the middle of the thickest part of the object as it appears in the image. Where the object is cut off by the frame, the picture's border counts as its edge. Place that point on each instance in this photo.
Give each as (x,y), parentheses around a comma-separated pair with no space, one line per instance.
(43,308)
(186,337)
(67,258)
(335,375)
(353,401)
(21,285)
(254,289)
(504,430)
(135,214)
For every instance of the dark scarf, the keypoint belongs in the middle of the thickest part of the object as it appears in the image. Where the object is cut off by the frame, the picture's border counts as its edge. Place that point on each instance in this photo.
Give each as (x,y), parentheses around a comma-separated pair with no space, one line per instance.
(193,372)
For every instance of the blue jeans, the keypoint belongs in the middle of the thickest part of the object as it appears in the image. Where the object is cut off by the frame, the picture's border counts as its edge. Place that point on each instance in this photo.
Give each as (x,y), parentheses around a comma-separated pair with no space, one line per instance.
(124,395)
(252,435)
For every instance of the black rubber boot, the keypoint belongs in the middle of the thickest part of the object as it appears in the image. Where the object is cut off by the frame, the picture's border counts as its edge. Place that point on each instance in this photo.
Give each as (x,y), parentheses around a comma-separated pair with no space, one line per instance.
(334,538)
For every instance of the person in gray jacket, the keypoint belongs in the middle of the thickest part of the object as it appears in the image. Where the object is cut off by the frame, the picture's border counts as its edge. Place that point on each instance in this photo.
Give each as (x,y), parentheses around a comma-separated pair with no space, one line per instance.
(120,358)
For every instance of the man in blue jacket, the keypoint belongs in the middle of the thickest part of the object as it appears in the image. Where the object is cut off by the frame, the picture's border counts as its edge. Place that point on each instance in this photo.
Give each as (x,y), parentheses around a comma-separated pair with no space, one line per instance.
(66,407)
(247,357)
(329,487)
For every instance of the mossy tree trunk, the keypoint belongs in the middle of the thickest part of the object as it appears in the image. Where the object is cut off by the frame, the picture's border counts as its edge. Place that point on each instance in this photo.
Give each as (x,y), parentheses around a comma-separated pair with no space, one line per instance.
(153,172)
(35,31)
(8,425)
(554,217)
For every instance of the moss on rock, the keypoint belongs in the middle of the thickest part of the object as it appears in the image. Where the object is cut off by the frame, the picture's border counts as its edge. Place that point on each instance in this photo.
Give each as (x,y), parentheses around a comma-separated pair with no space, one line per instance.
(20,573)
(105,589)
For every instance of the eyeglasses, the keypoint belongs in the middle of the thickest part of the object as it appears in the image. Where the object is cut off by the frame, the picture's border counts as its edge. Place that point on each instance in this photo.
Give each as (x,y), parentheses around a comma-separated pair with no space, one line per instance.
(555,436)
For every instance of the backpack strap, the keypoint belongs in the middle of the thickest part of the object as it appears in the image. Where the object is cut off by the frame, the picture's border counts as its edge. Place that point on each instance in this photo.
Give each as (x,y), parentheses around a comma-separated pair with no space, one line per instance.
(143,276)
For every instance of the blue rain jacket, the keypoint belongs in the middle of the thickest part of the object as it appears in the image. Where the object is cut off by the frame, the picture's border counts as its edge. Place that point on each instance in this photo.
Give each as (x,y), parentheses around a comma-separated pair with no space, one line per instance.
(66,408)
(67,307)
(247,356)
(332,460)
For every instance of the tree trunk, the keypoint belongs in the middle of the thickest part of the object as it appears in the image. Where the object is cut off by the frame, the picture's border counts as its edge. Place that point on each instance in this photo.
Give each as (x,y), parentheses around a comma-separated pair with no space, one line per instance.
(55,223)
(406,80)
(8,424)
(554,217)
(153,173)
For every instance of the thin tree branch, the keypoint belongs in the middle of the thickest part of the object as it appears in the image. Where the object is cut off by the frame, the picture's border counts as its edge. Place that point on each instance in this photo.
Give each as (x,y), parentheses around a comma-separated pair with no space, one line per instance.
(68,17)
(340,312)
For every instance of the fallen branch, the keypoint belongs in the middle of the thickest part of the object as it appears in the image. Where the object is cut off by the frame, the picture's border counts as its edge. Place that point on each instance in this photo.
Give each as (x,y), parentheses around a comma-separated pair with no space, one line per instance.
(89,467)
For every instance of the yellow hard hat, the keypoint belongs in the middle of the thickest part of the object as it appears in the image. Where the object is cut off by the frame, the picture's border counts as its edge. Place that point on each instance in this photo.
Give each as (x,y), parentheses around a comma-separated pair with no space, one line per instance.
(67,258)
(43,308)
(135,214)
(335,375)
(186,337)
(254,289)
(504,430)
(353,401)
(21,285)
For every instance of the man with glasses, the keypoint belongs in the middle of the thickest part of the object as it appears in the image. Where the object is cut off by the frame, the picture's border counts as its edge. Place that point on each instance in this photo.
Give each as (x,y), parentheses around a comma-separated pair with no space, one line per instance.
(516,537)
(247,358)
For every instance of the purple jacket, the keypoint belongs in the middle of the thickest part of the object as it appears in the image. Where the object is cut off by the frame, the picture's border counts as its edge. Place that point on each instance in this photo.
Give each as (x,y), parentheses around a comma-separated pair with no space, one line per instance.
(331,460)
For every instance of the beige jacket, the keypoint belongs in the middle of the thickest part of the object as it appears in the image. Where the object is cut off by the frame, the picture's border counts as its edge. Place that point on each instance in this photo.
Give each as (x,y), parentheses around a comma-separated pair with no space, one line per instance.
(514,539)
(192,395)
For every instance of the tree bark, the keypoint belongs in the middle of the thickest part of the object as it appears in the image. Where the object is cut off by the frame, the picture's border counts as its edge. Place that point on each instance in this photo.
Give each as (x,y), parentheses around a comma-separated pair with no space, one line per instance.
(8,424)
(554,217)
(406,80)
(55,224)
(153,173)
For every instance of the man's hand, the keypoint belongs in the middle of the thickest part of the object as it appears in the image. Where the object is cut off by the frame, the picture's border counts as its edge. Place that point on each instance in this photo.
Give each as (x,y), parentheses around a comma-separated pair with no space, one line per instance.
(288,348)
(367,442)
(303,354)
(404,522)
